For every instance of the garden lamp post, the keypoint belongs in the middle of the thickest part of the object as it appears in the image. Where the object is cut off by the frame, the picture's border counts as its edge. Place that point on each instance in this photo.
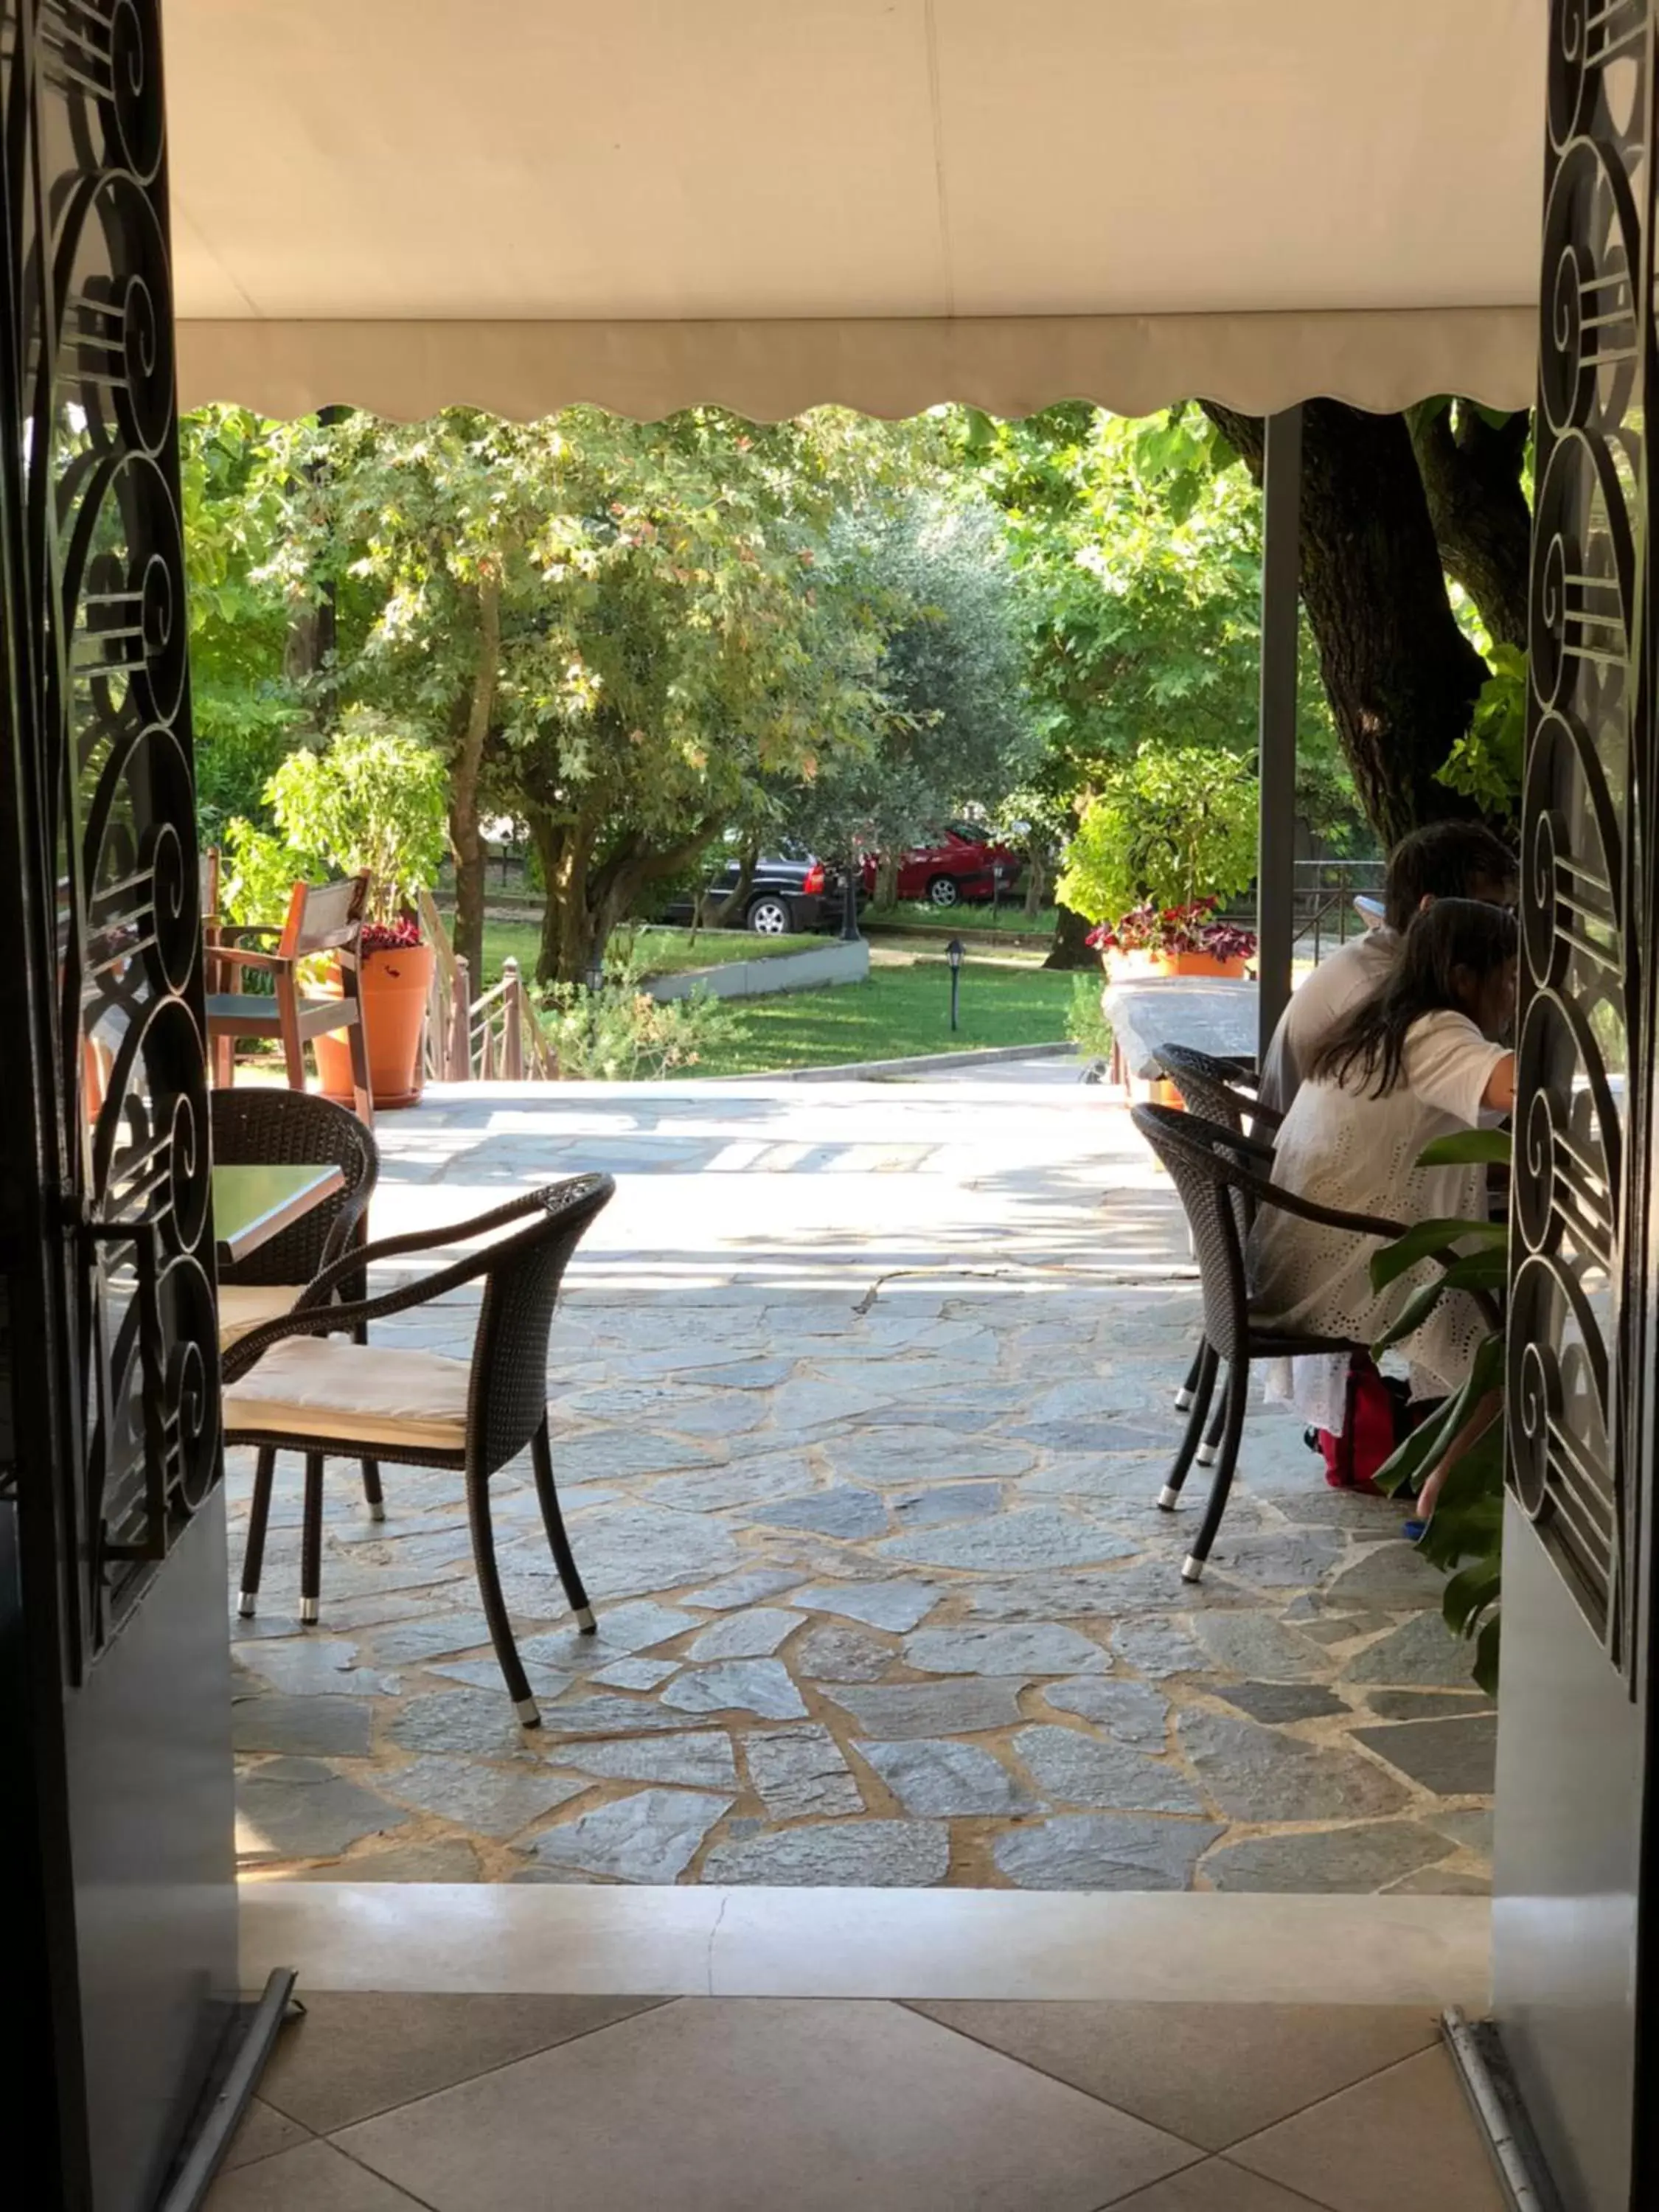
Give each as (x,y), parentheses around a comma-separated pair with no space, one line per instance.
(849,902)
(953,954)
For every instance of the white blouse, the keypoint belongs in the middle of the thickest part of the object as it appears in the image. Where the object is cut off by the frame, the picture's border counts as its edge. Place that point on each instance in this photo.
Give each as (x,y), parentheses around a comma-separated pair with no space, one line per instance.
(1345,1149)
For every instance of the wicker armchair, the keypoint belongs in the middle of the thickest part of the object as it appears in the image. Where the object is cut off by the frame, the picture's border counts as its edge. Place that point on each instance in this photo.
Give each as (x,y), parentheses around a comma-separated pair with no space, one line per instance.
(1224,1179)
(291,1386)
(292,1128)
(1222,1092)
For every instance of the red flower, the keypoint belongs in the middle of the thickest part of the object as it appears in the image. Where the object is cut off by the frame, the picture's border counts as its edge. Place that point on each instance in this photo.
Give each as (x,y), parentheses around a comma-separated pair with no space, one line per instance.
(399,936)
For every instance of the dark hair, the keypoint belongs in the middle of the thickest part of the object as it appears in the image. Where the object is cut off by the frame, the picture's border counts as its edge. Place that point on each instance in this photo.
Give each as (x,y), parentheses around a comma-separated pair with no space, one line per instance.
(1446,861)
(1453,933)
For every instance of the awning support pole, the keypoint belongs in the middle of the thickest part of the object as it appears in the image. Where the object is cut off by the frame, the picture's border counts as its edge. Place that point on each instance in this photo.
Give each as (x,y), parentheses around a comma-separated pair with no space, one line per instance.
(1281,494)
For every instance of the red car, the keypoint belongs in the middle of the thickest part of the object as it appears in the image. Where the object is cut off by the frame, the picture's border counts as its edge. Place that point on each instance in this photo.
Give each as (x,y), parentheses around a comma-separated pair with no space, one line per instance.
(962,867)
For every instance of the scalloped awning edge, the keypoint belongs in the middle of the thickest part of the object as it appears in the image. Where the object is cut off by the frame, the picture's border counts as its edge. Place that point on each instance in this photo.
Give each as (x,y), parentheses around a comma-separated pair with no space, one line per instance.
(768,370)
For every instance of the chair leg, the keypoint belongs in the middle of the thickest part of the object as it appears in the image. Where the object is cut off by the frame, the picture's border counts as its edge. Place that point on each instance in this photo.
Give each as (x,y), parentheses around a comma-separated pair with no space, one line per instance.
(495,1605)
(541,1458)
(287,1015)
(372,1489)
(1211,1444)
(362,1091)
(1203,1388)
(1183,1396)
(311,1541)
(1238,1393)
(254,1557)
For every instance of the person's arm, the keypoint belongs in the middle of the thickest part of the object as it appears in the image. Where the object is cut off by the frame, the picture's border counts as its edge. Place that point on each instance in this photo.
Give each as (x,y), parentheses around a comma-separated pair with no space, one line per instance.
(1499,1096)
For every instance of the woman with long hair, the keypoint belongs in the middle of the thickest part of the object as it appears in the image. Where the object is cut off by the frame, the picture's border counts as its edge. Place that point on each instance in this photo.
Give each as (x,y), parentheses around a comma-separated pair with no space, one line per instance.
(1419,1060)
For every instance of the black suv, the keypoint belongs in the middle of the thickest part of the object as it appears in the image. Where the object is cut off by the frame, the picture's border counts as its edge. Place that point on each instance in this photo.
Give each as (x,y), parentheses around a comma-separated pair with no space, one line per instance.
(790,892)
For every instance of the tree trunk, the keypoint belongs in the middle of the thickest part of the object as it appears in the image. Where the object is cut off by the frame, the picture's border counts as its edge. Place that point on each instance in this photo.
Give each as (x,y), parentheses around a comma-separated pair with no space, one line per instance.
(564,851)
(722,913)
(887,869)
(311,649)
(1472,475)
(1036,880)
(466,837)
(1400,674)
(1068,949)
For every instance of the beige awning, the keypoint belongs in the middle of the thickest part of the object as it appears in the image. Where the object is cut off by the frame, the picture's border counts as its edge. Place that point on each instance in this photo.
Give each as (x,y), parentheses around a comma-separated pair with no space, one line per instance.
(773,203)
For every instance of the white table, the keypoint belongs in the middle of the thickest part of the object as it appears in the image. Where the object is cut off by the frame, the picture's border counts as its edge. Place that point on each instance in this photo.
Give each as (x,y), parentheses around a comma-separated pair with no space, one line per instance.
(1218,1017)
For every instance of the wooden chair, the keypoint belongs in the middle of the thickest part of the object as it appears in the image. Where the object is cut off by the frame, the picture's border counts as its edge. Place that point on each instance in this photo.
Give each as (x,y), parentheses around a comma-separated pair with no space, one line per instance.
(299,1385)
(321,918)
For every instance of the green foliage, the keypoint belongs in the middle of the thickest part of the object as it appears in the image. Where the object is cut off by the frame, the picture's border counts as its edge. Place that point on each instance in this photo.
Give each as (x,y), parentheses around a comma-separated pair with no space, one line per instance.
(620,1034)
(1086,1025)
(247,712)
(1138,546)
(1465,1534)
(1488,761)
(957,735)
(372,800)
(1176,824)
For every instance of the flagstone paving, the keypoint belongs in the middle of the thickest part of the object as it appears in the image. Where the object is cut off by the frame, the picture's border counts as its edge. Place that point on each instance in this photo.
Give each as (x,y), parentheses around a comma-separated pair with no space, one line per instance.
(861,1396)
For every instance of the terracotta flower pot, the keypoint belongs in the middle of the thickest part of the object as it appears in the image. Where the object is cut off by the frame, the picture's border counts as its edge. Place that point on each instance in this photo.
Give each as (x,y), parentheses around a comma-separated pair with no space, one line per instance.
(395,988)
(1139,967)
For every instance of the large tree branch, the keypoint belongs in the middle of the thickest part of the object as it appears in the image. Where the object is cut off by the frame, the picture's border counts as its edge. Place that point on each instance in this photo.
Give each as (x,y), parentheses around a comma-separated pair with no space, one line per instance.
(1471,471)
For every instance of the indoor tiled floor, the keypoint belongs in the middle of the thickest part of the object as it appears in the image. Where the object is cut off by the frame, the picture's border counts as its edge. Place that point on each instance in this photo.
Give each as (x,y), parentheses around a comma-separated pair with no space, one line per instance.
(512,2104)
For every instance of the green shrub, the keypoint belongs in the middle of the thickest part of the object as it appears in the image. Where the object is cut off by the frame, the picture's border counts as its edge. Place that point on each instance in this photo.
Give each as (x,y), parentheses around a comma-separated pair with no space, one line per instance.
(1176,824)
(1085,1023)
(620,1034)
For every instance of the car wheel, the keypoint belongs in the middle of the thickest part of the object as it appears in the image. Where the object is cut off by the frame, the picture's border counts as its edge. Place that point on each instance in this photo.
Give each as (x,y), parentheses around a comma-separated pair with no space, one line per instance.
(942,890)
(769,917)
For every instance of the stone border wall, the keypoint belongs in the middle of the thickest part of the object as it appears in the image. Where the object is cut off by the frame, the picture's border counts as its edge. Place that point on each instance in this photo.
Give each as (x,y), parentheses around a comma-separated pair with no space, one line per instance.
(833,962)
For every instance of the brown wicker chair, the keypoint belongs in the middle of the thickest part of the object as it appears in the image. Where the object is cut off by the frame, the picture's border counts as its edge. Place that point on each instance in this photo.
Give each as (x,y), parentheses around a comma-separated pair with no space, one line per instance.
(292,1128)
(1222,1092)
(1224,1179)
(291,1387)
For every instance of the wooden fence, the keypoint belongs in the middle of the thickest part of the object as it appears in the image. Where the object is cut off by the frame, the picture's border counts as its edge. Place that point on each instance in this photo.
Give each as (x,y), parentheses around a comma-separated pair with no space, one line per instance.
(495,1037)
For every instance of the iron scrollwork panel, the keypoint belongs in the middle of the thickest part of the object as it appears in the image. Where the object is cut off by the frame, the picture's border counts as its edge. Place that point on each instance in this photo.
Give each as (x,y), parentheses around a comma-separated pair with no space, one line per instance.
(1576,1395)
(96,456)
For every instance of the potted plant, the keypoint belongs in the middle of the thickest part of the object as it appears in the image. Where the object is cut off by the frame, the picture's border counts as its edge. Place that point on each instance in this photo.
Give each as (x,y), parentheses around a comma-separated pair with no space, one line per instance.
(1172,940)
(373,801)
(1169,835)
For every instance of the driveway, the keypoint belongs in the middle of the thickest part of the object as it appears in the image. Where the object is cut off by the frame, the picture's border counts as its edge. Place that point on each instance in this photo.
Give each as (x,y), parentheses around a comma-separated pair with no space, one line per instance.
(862,1396)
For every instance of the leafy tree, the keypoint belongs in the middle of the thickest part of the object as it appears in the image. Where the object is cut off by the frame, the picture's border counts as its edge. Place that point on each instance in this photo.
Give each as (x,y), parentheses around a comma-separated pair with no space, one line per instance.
(616,632)
(956,734)
(1139,548)
(247,712)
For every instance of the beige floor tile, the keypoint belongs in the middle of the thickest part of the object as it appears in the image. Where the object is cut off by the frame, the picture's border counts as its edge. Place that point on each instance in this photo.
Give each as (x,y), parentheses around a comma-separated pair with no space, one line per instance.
(354,2055)
(264,2132)
(314,2178)
(1218,2185)
(1210,2074)
(1404,2141)
(745,2106)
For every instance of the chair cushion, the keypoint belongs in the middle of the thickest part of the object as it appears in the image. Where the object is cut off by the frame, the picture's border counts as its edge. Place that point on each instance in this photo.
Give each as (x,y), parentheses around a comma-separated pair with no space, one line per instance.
(326,1386)
(243,1306)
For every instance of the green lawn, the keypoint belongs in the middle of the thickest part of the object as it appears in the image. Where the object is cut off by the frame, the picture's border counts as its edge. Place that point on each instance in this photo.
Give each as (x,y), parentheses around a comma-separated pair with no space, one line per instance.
(964,919)
(903,1009)
(656,951)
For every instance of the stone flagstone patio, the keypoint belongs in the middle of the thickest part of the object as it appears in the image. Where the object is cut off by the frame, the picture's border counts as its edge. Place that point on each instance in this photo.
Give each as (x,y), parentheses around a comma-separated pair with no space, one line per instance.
(862,1395)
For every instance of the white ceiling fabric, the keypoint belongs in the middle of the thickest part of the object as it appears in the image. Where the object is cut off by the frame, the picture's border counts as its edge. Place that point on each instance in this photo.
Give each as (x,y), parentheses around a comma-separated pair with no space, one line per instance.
(770,204)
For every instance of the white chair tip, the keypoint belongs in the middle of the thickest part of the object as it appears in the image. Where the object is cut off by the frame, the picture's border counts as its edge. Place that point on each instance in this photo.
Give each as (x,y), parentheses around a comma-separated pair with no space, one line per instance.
(1192,1570)
(307,1613)
(377,1511)
(1168,1499)
(1206,1454)
(244,1605)
(1183,1401)
(528,1712)
(585,1619)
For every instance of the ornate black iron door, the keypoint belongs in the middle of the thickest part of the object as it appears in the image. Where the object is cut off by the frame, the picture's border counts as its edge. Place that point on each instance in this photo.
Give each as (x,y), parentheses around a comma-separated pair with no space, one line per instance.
(1573,1764)
(111,1549)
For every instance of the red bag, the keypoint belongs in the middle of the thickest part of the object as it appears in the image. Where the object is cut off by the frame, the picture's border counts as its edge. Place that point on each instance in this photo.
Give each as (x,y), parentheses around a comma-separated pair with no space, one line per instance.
(1375,1417)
